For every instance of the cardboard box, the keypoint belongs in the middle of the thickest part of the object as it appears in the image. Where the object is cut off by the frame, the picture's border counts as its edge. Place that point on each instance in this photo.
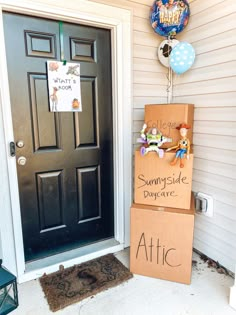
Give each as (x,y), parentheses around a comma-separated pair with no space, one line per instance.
(158,183)
(166,117)
(161,242)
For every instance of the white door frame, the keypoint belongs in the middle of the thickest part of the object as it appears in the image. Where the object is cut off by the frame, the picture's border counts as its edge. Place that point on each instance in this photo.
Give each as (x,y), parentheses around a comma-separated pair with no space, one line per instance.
(89,13)
(232,297)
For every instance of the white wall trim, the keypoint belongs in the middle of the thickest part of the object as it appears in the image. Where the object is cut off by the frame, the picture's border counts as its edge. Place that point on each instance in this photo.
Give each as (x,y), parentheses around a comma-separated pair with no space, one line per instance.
(89,13)
(232,298)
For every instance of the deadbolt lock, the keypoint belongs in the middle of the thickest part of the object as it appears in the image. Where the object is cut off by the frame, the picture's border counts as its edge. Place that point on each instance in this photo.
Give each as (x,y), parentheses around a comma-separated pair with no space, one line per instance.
(20,143)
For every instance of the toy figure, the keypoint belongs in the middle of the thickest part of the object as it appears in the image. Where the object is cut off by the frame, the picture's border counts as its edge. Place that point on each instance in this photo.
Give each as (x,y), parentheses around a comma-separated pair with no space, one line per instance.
(154,139)
(75,103)
(54,99)
(171,4)
(73,70)
(183,145)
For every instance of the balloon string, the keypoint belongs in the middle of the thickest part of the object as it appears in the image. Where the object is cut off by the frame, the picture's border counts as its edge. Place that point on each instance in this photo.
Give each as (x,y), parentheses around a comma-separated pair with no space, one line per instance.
(169,89)
(169,85)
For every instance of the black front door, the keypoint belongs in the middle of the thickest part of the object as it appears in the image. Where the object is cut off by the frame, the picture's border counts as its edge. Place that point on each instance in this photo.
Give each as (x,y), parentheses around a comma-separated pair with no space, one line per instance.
(66,183)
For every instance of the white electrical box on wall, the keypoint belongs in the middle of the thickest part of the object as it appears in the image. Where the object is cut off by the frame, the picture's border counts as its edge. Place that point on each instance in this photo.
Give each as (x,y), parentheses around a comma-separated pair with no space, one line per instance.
(204,204)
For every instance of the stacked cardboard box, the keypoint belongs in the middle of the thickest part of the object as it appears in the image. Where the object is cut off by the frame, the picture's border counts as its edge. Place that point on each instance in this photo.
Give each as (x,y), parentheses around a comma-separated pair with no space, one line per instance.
(162,216)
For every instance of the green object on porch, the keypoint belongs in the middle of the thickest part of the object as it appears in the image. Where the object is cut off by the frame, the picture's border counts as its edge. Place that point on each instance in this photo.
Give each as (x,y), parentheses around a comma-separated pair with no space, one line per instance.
(8,291)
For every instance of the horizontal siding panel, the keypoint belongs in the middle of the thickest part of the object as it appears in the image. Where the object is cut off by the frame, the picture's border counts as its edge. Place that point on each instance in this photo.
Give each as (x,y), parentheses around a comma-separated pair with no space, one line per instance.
(146,2)
(215,57)
(148,65)
(212,154)
(219,234)
(223,8)
(211,141)
(136,136)
(148,77)
(226,99)
(225,210)
(141,10)
(216,240)
(215,180)
(151,90)
(140,102)
(215,128)
(225,39)
(213,28)
(217,244)
(218,194)
(211,86)
(146,39)
(143,25)
(223,222)
(225,260)
(216,114)
(137,126)
(144,52)
(211,72)
(138,114)
(216,168)
(202,6)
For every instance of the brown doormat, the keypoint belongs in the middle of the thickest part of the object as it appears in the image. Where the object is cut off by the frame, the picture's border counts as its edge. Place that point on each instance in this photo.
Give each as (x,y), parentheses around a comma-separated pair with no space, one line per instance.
(76,283)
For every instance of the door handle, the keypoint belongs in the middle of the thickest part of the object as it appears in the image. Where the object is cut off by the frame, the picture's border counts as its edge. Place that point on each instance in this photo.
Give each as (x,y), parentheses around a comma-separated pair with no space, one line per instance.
(21,160)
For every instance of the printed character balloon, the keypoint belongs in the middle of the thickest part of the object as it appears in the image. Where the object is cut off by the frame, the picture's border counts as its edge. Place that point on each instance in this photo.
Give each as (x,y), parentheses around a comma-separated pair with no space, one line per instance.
(169,17)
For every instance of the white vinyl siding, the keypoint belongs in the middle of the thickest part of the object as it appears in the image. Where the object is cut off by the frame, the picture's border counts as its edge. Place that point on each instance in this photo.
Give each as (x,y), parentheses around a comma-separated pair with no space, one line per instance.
(211,86)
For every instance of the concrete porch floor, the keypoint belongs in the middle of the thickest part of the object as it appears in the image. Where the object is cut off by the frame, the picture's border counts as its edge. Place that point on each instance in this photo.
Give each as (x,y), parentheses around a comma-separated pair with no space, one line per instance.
(208,294)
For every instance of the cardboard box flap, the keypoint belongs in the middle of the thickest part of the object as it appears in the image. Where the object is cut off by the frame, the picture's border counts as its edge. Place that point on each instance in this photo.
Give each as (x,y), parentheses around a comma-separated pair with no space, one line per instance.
(190,211)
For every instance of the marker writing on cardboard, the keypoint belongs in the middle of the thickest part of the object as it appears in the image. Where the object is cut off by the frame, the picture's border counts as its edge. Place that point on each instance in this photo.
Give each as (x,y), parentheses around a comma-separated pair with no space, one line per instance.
(162,253)
(164,126)
(158,194)
(163,181)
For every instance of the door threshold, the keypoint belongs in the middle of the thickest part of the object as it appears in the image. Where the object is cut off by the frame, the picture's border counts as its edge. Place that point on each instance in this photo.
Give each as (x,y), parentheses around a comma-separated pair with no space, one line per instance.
(36,269)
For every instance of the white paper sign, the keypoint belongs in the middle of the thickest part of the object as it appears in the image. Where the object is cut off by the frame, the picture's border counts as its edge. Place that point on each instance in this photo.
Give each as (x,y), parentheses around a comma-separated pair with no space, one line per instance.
(64,86)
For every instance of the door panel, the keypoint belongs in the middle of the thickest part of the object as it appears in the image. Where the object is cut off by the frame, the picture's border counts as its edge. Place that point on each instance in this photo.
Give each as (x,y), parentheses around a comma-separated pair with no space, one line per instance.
(45,127)
(87,121)
(49,188)
(66,185)
(89,208)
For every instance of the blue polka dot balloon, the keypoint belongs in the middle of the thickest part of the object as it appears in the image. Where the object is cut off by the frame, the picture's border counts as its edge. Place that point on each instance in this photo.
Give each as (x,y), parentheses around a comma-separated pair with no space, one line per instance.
(182,57)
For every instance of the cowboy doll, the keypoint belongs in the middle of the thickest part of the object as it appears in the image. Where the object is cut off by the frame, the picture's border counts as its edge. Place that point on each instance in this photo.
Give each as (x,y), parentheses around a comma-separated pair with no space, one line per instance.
(183,145)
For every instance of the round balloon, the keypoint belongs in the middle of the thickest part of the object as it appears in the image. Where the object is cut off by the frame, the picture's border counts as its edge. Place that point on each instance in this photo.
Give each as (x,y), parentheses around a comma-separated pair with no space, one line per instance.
(182,57)
(164,50)
(169,17)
